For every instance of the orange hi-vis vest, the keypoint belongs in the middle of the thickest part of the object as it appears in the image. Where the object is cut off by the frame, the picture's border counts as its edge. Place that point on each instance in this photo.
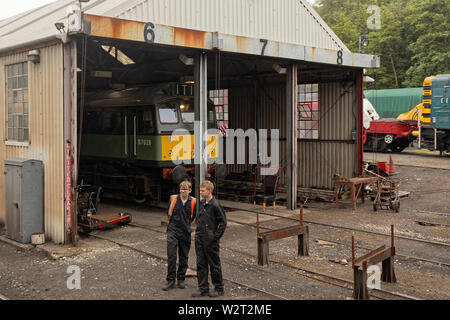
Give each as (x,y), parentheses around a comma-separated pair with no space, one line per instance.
(173,201)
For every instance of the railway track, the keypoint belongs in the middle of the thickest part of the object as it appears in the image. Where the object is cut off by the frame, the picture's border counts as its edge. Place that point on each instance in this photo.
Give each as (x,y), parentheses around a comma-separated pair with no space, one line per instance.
(2,297)
(443,244)
(273,295)
(337,281)
(318,276)
(349,245)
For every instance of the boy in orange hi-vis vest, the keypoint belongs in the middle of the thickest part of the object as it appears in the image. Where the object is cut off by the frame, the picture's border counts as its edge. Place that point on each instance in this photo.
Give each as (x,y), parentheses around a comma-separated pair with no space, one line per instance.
(181,212)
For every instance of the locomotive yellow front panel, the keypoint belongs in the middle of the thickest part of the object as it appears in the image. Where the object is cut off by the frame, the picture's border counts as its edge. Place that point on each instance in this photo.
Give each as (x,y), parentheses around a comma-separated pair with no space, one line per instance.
(181,147)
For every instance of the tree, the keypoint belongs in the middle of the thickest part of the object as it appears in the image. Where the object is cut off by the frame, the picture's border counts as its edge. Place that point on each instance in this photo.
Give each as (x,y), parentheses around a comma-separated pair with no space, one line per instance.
(413,40)
(429,44)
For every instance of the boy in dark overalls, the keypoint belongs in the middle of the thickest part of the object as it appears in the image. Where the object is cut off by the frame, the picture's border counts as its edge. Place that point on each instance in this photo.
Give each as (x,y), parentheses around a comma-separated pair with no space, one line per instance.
(211,224)
(181,212)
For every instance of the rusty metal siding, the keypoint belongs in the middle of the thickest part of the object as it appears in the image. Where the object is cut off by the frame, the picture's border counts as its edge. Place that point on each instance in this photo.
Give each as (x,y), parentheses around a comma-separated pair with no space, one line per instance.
(336,151)
(291,21)
(338,110)
(45,83)
(318,160)
(270,114)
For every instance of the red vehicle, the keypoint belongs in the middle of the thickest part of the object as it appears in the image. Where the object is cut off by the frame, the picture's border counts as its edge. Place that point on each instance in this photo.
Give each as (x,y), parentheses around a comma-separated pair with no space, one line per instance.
(388,134)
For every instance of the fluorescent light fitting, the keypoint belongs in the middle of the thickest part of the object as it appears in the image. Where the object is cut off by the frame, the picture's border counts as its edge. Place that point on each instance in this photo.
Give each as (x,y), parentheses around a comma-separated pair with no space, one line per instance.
(118,54)
(186,60)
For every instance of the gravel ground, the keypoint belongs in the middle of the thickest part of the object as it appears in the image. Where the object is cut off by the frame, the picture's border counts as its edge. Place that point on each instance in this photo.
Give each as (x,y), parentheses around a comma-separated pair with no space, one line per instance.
(110,271)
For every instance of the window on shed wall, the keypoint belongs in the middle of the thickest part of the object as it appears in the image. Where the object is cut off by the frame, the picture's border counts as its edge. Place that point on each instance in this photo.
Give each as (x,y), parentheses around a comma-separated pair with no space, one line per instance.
(220,100)
(17,102)
(308,111)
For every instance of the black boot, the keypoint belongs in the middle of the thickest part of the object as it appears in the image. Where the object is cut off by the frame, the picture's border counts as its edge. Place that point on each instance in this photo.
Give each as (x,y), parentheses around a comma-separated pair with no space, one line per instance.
(170,285)
(200,294)
(181,284)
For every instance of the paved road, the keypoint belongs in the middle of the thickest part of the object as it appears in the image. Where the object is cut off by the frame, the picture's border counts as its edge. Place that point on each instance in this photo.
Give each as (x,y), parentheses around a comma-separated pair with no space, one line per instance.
(412,157)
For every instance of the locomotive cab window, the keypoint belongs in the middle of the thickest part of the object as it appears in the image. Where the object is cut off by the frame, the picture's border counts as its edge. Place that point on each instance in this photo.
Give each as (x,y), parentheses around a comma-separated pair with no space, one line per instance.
(146,122)
(187,111)
(168,115)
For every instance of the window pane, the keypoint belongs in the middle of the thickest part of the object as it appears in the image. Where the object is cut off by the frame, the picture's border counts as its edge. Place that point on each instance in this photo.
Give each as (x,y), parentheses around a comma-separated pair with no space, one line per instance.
(25,122)
(10,134)
(25,82)
(20,134)
(25,108)
(187,111)
(25,68)
(25,135)
(18,108)
(15,134)
(168,115)
(15,70)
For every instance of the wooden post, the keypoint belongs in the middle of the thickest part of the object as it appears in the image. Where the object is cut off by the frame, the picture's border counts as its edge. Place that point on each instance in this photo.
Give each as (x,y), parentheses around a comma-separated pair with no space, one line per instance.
(387,273)
(303,240)
(301,214)
(360,291)
(257,223)
(354,196)
(263,252)
(353,251)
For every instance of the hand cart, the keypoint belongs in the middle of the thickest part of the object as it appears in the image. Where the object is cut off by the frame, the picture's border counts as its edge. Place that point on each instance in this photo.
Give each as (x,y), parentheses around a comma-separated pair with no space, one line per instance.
(88,218)
(387,196)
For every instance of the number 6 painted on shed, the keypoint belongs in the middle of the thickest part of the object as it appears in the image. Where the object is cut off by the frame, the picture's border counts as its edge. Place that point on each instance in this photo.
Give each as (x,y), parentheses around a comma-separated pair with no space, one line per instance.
(149,29)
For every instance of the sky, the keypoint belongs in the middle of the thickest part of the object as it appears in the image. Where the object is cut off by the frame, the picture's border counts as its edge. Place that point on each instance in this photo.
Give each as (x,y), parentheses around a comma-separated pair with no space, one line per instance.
(18,6)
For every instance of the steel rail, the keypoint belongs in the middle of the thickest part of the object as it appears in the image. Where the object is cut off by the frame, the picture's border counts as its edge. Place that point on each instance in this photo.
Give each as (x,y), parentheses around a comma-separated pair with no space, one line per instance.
(165,259)
(360,247)
(348,228)
(2,297)
(304,270)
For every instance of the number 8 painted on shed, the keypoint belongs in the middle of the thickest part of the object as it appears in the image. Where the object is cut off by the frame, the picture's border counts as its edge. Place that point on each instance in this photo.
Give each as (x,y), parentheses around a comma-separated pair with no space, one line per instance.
(149,29)
(340,59)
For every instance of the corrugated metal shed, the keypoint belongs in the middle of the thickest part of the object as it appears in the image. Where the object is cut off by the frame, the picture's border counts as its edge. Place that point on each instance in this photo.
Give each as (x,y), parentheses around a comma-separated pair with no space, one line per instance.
(46,132)
(318,160)
(290,21)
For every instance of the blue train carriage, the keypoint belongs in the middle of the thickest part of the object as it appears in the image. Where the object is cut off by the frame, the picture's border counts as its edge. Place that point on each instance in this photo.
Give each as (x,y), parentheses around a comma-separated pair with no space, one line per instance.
(435,129)
(127,146)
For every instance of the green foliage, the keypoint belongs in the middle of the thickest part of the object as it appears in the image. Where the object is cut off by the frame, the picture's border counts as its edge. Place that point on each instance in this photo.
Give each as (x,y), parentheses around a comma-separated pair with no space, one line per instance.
(413,40)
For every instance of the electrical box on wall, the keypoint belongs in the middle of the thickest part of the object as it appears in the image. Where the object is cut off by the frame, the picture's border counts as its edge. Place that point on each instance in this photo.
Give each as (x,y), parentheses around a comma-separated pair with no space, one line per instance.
(24,198)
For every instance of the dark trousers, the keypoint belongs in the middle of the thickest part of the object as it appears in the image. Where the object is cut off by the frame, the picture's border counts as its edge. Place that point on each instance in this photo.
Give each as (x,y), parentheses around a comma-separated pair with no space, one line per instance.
(182,242)
(208,260)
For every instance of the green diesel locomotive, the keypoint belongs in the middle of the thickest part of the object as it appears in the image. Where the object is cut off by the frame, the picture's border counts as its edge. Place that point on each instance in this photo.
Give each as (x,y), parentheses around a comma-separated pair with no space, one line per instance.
(128,146)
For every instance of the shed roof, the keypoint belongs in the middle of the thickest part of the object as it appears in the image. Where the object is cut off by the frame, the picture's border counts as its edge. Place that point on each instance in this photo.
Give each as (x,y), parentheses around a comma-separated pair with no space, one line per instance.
(289,21)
